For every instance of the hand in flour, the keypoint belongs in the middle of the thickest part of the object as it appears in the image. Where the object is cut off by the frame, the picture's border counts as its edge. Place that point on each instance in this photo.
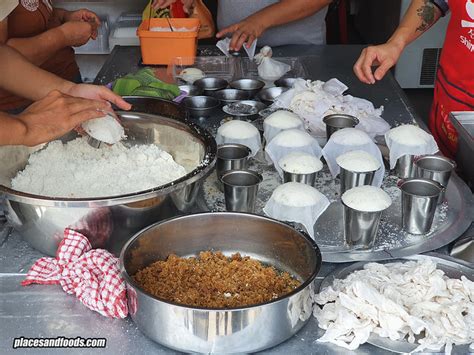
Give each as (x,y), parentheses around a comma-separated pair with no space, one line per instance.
(96,92)
(85,16)
(76,33)
(56,115)
(384,56)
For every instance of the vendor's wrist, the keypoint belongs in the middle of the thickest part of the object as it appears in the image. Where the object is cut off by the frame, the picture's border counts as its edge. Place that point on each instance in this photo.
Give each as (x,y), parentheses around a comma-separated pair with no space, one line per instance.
(18,131)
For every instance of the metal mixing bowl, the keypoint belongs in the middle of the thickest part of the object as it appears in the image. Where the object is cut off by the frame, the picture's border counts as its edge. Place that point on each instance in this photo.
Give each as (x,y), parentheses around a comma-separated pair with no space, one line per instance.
(110,221)
(251,86)
(268,96)
(228,96)
(200,106)
(210,85)
(285,82)
(237,330)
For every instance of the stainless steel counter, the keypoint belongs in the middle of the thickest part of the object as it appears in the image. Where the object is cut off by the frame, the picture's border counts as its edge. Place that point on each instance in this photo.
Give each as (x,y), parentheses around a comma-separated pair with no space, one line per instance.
(46,311)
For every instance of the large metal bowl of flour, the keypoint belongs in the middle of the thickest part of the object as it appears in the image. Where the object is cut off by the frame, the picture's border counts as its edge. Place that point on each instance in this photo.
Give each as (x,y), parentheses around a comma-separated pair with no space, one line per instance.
(110,221)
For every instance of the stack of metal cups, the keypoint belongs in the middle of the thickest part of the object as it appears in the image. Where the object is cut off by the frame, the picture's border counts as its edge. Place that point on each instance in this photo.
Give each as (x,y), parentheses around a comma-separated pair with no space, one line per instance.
(240,185)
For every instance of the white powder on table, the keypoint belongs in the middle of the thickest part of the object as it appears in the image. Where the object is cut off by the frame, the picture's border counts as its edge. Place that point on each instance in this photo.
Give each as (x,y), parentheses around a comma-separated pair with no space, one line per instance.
(295,194)
(367,199)
(358,161)
(300,163)
(283,120)
(238,130)
(76,170)
(409,135)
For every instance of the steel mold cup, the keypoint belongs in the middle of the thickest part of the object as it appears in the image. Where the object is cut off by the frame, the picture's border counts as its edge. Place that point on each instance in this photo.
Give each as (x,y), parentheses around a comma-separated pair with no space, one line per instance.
(308,179)
(231,157)
(405,166)
(240,190)
(419,200)
(435,167)
(350,179)
(339,121)
(361,226)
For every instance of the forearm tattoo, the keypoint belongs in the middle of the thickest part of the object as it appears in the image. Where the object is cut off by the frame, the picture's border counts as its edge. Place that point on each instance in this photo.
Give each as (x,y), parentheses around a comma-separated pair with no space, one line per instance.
(427,14)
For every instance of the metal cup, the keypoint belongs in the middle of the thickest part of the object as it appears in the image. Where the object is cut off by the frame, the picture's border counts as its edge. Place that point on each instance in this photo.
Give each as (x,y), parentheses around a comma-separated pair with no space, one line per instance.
(405,167)
(419,201)
(339,121)
(231,157)
(360,227)
(437,168)
(350,179)
(308,179)
(240,190)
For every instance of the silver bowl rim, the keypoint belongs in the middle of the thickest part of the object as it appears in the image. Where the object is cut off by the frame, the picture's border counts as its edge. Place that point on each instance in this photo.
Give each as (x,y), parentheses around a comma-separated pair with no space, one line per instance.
(195,97)
(303,234)
(261,84)
(201,171)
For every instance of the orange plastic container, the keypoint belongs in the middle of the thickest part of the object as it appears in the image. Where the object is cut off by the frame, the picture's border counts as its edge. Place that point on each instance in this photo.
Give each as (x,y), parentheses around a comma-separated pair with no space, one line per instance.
(160,48)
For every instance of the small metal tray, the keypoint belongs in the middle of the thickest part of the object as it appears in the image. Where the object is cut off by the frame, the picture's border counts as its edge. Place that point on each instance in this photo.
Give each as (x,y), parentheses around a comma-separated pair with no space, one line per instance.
(453,268)
(222,67)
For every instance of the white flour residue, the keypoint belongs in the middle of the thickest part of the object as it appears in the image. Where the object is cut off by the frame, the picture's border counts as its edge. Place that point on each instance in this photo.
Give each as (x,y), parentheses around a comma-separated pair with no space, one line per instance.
(76,170)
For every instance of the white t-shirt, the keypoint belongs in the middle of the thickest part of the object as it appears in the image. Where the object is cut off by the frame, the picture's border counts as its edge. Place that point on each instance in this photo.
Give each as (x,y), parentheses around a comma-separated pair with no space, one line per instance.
(6,7)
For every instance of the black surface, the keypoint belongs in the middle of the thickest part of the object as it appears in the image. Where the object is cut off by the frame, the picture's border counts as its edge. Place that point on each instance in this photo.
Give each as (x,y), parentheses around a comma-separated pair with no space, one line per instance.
(321,63)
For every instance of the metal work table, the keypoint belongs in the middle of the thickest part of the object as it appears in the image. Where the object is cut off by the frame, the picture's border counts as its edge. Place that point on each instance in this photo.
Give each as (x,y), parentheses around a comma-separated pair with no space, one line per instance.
(46,311)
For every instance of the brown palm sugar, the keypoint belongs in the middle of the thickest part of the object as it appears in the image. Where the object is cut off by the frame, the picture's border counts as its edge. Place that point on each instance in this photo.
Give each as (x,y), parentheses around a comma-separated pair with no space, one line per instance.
(213,280)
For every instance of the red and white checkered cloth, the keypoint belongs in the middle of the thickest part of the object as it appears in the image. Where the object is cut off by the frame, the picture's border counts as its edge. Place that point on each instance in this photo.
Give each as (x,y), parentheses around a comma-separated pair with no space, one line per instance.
(92,275)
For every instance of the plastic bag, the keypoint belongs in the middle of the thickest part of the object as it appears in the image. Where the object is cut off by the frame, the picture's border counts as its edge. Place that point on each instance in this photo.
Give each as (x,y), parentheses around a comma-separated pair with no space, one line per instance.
(224,44)
(347,140)
(268,68)
(423,145)
(289,141)
(281,205)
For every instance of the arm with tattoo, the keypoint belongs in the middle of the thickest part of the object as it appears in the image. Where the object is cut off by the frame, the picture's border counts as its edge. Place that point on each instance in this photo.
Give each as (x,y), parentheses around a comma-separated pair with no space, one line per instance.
(420,16)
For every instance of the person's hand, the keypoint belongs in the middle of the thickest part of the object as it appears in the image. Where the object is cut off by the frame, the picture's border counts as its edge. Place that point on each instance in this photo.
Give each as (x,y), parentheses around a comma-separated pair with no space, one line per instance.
(55,115)
(246,31)
(384,56)
(76,33)
(97,92)
(85,16)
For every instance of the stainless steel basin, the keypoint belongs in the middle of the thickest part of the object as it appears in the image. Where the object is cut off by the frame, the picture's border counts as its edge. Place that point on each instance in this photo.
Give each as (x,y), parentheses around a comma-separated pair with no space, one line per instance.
(235,330)
(110,221)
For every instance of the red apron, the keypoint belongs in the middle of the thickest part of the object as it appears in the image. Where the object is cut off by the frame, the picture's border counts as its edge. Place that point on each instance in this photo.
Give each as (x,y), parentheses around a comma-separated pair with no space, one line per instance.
(454,89)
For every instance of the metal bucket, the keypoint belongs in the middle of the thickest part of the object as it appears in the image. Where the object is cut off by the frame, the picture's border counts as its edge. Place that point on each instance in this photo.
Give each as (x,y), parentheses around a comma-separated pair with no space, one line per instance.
(110,221)
(236,330)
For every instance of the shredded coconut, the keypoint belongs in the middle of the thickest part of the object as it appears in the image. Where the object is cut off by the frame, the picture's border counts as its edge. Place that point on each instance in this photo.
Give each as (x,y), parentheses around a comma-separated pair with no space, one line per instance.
(367,199)
(77,170)
(283,119)
(358,161)
(409,135)
(238,130)
(300,163)
(398,301)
